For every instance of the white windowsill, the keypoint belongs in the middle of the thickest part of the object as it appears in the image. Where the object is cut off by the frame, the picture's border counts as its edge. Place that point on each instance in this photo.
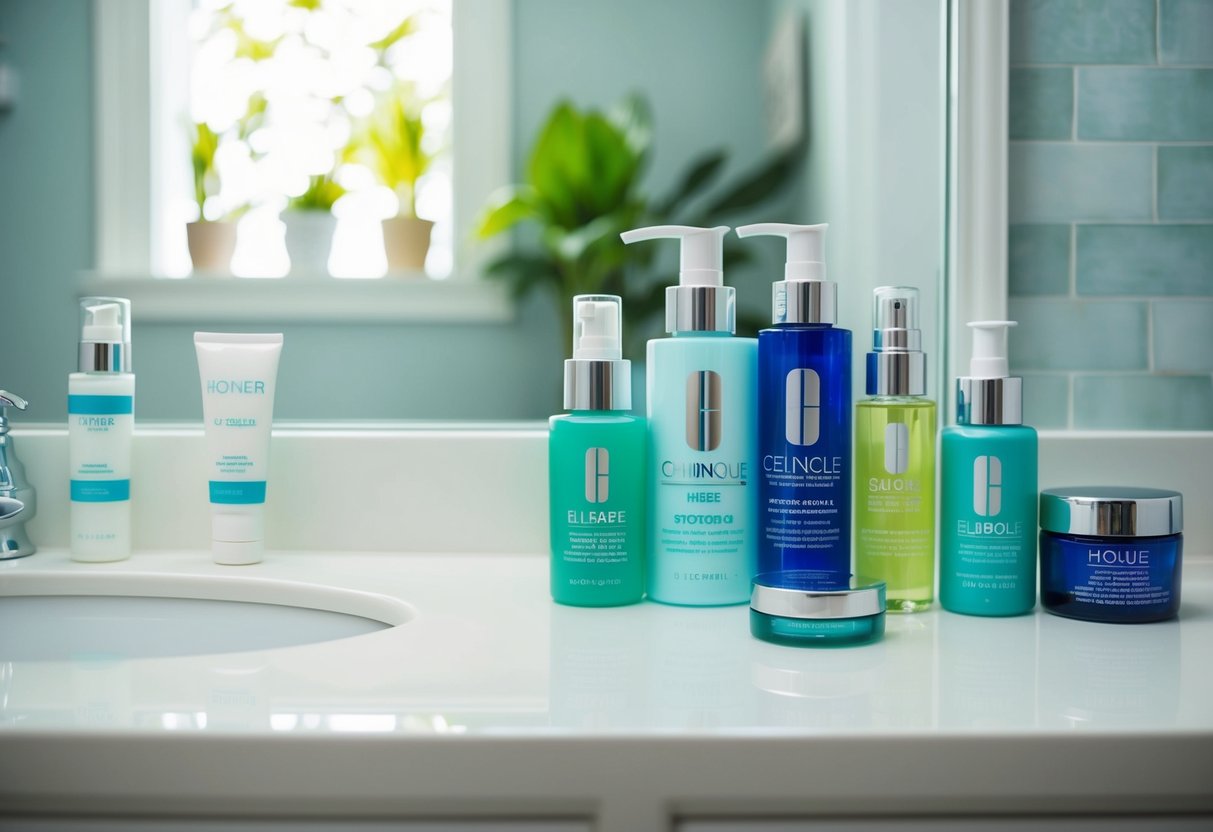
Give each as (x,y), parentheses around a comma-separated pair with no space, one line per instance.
(318,298)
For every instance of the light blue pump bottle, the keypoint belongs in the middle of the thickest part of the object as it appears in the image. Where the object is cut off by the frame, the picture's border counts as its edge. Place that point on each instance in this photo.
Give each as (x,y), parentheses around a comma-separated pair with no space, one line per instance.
(702,433)
(987,537)
(804,414)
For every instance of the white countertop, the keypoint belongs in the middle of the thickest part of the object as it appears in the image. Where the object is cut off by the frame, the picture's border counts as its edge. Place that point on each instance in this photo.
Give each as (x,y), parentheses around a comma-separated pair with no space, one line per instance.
(565,710)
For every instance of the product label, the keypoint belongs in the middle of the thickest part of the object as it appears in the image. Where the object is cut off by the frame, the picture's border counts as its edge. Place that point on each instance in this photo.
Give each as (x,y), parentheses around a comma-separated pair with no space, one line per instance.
(1117,576)
(100,429)
(237,493)
(895,535)
(705,513)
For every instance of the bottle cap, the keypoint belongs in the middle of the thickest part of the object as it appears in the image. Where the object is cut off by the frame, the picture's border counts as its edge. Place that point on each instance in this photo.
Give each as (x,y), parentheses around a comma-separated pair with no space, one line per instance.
(238,538)
(804,296)
(989,395)
(896,366)
(1112,511)
(816,594)
(597,377)
(700,302)
(105,335)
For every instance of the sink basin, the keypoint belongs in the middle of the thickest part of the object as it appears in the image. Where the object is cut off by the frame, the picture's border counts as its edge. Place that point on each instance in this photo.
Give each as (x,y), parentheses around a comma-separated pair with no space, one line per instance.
(132,616)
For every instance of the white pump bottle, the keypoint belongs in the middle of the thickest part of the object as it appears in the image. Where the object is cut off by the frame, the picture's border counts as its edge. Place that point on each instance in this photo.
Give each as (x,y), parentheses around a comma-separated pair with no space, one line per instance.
(701,407)
(100,408)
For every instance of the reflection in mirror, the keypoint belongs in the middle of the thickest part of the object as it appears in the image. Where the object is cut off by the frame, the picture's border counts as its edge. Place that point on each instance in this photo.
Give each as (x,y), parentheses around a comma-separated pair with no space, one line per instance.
(790,110)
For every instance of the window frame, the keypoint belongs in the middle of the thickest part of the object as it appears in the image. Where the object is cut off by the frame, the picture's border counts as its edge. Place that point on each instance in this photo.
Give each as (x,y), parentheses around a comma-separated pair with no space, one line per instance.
(131,127)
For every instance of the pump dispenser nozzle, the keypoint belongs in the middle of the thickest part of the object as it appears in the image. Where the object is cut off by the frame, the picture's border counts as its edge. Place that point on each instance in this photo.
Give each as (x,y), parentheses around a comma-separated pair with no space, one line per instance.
(105,335)
(597,377)
(989,395)
(700,302)
(804,296)
(897,366)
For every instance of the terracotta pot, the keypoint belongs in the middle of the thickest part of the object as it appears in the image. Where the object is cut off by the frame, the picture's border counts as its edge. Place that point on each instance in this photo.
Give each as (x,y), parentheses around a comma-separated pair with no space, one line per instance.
(211,246)
(406,240)
(309,241)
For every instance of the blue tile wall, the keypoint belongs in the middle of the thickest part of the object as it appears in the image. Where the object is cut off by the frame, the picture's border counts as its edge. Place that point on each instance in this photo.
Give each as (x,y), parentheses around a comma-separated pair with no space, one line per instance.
(1041,103)
(1063,334)
(1110,248)
(1145,260)
(1146,104)
(1183,336)
(1185,32)
(1148,402)
(1066,181)
(1082,31)
(1185,181)
(1038,259)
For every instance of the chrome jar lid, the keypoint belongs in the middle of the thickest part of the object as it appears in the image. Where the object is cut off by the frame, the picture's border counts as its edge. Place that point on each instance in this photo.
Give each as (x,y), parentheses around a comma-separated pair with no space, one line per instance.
(816,594)
(1111,511)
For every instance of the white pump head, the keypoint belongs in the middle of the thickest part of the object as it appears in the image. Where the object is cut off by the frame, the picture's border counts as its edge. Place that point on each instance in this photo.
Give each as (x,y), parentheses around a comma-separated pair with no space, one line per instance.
(806,258)
(700,302)
(597,377)
(105,335)
(701,262)
(597,328)
(989,395)
(989,349)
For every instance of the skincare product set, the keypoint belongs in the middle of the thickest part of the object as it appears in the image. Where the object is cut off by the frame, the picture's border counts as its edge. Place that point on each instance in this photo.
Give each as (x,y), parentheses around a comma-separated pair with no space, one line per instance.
(738,486)
(237,371)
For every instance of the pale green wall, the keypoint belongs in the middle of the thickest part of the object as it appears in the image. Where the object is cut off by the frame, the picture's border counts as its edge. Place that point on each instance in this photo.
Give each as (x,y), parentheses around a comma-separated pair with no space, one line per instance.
(356,371)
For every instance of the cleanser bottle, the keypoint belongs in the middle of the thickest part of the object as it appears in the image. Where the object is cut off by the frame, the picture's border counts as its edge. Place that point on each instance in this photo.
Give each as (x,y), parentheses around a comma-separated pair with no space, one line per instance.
(804,414)
(596,467)
(895,458)
(702,434)
(987,514)
(100,414)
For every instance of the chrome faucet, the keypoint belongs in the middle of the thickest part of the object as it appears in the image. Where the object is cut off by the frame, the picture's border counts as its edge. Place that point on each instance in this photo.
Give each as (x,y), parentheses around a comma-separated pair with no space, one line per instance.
(18,501)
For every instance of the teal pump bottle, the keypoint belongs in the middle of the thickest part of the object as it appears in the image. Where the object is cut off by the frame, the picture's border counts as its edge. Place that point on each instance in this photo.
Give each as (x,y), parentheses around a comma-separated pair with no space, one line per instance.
(987,539)
(596,467)
(703,440)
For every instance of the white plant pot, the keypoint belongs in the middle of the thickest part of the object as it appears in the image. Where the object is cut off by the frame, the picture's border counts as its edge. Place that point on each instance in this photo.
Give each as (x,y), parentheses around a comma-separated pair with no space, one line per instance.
(406,241)
(309,241)
(211,246)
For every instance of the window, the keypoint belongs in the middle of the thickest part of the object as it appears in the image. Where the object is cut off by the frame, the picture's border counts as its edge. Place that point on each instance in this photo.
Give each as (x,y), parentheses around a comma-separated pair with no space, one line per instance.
(256,71)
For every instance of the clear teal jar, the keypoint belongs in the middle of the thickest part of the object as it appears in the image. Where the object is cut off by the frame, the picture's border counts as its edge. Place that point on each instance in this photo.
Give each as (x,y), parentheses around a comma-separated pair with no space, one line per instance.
(802,608)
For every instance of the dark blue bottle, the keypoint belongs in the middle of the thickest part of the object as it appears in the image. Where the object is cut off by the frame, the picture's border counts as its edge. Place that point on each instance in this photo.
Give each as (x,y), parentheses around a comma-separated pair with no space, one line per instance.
(804,415)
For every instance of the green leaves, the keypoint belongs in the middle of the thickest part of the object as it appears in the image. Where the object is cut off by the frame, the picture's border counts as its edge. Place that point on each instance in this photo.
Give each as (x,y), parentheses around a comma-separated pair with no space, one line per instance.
(320,195)
(583,187)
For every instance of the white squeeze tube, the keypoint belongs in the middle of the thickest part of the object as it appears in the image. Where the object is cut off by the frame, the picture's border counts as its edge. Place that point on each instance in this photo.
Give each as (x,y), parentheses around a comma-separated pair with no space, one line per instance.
(238,371)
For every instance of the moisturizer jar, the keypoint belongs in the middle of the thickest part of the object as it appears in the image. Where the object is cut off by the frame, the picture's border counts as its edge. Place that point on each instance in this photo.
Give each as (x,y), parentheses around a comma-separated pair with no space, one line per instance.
(1111,554)
(803,608)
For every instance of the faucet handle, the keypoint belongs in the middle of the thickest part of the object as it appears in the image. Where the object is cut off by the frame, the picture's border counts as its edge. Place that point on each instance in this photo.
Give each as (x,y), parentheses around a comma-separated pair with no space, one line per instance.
(8,399)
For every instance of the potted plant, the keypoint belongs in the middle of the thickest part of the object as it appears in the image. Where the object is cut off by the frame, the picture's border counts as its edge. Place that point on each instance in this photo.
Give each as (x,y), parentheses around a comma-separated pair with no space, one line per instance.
(391,145)
(310,225)
(211,242)
(584,186)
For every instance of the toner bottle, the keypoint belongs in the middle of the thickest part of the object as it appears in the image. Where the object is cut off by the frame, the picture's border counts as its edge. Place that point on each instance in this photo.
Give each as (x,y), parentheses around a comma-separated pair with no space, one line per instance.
(804,414)
(100,422)
(596,467)
(987,513)
(702,433)
(895,458)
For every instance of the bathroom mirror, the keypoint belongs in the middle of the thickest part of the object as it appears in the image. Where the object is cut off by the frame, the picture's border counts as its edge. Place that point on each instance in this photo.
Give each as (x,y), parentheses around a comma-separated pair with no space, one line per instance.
(854,90)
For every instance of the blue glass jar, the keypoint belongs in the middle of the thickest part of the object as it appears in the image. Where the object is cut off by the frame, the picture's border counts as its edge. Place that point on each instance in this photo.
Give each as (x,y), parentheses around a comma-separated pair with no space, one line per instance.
(1111,554)
(806,608)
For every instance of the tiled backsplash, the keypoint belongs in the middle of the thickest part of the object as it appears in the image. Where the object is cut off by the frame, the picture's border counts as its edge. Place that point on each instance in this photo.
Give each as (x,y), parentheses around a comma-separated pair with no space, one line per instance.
(1111,210)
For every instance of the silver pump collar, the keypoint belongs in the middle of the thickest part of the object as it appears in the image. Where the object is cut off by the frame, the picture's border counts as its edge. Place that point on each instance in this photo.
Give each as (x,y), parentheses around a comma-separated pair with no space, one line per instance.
(105,357)
(597,385)
(989,401)
(804,302)
(700,309)
(1112,511)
